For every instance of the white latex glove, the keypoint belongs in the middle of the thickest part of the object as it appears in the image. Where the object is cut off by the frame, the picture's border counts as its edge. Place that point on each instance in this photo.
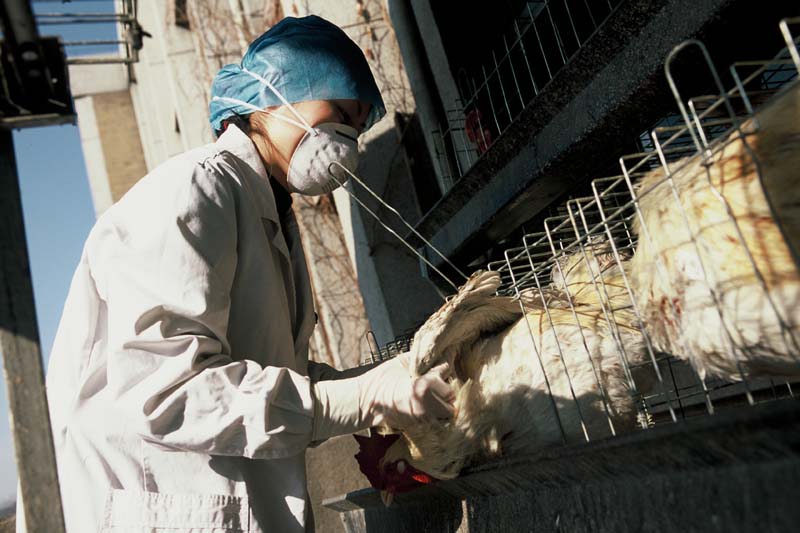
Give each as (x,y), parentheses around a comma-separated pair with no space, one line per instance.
(387,394)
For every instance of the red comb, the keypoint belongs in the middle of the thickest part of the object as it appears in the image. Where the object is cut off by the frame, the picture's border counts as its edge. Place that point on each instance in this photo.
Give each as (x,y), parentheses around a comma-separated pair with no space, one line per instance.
(371,451)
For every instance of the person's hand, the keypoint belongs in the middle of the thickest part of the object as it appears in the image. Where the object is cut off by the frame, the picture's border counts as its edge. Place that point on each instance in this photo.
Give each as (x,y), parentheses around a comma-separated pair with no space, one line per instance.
(387,394)
(390,395)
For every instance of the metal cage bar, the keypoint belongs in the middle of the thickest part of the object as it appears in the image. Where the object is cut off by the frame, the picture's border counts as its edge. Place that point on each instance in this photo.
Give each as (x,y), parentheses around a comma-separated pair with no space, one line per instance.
(543,59)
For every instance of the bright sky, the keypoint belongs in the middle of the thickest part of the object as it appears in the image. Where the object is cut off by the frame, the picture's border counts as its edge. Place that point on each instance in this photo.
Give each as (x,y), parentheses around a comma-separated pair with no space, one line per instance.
(57,208)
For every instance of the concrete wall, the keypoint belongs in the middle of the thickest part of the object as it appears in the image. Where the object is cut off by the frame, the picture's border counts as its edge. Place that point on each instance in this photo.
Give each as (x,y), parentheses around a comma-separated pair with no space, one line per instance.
(122,149)
(170,86)
(342,325)
(111,145)
(109,134)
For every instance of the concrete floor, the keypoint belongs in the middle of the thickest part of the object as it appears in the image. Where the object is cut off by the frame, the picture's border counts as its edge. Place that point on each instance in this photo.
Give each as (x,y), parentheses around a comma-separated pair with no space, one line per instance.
(332,470)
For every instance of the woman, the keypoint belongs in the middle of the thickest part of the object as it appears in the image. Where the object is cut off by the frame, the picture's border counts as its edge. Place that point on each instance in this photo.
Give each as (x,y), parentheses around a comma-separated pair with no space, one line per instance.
(178,383)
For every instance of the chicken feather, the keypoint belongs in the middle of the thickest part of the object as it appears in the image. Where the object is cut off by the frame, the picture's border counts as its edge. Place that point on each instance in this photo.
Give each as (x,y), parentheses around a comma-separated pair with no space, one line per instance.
(550,366)
(696,285)
(550,374)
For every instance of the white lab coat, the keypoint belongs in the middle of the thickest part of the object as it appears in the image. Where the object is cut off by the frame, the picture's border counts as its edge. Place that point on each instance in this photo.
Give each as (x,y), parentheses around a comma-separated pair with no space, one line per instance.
(177,384)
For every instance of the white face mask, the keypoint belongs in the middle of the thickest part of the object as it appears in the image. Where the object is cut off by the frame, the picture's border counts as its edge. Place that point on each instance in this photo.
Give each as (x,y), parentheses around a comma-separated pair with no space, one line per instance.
(310,167)
(321,146)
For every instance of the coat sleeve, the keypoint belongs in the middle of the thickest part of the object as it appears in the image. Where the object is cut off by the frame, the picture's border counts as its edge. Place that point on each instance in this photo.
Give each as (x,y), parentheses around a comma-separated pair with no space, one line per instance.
(164,267)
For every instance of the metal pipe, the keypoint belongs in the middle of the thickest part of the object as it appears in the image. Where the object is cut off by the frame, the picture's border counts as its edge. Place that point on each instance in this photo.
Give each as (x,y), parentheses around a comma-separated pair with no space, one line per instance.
(94,42)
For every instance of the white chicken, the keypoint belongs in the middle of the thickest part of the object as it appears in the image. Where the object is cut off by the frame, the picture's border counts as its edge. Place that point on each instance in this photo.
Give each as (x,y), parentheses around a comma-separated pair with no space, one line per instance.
(700,293)
(548,367)
(526,381)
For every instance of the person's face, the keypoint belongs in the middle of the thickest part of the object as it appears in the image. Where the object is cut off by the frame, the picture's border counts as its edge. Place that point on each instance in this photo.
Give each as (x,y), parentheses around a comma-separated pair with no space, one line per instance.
(285,137)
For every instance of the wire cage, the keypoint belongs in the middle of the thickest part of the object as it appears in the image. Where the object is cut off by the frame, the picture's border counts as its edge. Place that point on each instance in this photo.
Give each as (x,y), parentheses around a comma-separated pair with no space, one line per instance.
(591,258)
(671,290)
(387,351)
(524,59)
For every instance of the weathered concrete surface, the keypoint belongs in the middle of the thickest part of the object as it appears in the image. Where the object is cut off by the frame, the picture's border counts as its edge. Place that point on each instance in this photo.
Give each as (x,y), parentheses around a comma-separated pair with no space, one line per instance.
(735,472)
(332,470)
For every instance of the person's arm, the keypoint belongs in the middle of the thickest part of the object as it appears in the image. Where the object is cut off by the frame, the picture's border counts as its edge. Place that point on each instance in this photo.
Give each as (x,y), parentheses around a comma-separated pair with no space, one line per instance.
(386,394)
(166,277)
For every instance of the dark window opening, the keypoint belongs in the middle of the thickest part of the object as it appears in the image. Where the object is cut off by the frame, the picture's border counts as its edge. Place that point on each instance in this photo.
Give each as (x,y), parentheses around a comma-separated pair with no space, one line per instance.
(182,14)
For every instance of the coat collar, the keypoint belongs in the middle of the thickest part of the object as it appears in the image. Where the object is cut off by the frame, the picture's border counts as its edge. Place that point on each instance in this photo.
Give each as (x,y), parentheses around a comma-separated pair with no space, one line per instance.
(236,142)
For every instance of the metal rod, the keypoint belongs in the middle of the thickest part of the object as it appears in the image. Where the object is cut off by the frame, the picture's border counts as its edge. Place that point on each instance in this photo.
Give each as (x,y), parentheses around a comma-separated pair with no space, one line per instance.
(480,128)
(572,23)
(603,297)
(631,294)
(100,61)
(537,352)
(558,344)
(696,239)
(94,42)
(55,22)
(574,313)
(525,55)
(541,46)
(399,216)
(446,170)
(464,140)
(491,103)
(502,88)
(589,11)
(556,33)
(790,42)
(514,72)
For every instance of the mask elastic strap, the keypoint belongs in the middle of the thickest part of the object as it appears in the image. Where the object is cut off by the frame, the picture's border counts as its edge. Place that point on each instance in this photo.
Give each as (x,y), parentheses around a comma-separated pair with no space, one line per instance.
(303,124)
(262,110)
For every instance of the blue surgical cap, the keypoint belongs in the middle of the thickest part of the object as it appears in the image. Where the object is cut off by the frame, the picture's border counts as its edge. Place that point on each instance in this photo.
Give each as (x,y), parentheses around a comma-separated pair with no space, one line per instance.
(305,59)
